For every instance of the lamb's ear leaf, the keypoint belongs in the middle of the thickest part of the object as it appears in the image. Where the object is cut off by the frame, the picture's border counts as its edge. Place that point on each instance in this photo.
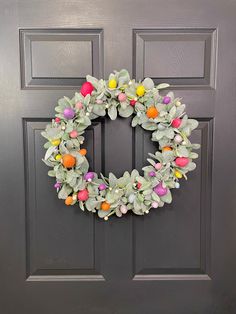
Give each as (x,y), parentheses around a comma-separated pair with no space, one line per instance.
(103,213)
(112,179)
(127,112)
(49,152)
(162,86)
(112,112)
(150,126)
(167,198)
(64,192)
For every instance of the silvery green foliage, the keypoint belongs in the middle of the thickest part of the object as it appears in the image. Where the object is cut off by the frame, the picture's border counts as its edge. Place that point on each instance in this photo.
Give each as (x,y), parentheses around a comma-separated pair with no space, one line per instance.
(133,190)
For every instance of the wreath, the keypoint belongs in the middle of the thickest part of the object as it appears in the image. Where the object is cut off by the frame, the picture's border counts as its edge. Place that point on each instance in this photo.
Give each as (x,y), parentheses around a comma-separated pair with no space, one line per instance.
(164,116)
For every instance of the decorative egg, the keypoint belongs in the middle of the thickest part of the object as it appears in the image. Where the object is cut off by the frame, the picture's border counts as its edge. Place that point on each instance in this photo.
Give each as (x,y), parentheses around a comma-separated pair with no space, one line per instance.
(155,204)
(166,100)
(58,157)
(152,174)
(140,90)
(122,97)
(86,89)
(178,139)
(57,120)
(131,198)
(102,186)
(55,142)
(79,105)
(132,102)
(83,195)
(177,185)
(166,149)
(123,209)
(69,200)
(83,151)
(181,161)
(139,185)
(176,123)
(69,113)
(57,185)
(160,190)
(73,134)
(158,166)
(152,112)
(178,174)
(105,206)
(89,176)
(68,161)
(112,84)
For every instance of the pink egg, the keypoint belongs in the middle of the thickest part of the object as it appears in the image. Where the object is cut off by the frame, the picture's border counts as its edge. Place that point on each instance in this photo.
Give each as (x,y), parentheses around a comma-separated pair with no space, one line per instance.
(57,120)
(73,134)
(155,204)
(86,89)
(176,123)
(123,209)
(79,105)
(122,97)
(132,102)
(83,195)
(158,166)
(181,161)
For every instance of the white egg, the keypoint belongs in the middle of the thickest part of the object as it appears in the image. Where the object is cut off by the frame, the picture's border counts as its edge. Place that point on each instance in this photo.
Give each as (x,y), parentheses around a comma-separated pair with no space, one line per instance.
(177,185)
(178,139)
(123,209)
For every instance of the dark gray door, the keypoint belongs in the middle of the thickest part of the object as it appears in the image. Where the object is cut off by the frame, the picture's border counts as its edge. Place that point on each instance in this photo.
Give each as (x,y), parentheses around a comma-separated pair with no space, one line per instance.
(59,260)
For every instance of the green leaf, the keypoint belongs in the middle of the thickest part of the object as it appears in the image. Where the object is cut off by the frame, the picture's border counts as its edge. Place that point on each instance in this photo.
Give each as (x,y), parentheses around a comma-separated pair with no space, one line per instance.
(51,173)
(112,179)
(112,112)
(167,198)
(150,126)
(64,192)
(99,110)
(49,152)
(148,83)
(125,113)
(162,86)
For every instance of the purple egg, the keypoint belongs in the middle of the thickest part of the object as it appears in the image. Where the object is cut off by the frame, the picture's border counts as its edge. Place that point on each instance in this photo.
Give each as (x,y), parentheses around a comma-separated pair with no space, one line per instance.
(152,174)
(69,113)
(166,100)
(89,176)
(57,185)
(160,190)
(102,187)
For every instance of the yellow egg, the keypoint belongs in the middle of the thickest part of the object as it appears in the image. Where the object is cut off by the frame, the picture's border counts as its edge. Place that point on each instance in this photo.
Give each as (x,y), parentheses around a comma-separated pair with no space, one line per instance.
(55,142)
(58,157)
(140,90)
(112,83)
(178,174)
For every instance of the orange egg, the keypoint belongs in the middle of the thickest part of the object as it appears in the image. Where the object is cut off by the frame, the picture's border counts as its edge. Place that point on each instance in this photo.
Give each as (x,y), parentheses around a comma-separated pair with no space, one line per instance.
(69,200)
(105,206)
(68,161)
(152,112)
(83,151)
(166,148)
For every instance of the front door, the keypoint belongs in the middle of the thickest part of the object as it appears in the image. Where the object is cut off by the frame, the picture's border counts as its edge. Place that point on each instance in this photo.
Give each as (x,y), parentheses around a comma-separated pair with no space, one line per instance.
(60,260)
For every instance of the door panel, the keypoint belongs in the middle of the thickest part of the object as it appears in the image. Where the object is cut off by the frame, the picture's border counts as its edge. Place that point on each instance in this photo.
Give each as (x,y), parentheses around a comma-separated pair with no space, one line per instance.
(177,259)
